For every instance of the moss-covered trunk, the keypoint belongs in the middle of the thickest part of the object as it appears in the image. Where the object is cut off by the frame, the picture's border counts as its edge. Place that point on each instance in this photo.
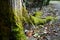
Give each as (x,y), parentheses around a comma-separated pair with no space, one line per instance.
(11,27)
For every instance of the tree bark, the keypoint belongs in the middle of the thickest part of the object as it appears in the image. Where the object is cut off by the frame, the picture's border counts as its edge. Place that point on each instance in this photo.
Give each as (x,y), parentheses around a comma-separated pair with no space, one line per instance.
(11,27)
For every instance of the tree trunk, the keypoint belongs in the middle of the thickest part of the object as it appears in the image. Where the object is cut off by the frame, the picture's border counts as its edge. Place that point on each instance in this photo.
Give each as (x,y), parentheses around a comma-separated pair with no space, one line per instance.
(11,27)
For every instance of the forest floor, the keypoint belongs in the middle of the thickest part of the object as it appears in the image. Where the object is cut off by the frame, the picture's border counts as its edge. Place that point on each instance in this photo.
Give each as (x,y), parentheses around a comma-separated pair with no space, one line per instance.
(53,6)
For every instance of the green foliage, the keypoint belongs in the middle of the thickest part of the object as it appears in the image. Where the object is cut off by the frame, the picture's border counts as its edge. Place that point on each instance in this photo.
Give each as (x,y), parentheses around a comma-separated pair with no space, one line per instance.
(49,18)
(25,15)
(37,20)
(38,14)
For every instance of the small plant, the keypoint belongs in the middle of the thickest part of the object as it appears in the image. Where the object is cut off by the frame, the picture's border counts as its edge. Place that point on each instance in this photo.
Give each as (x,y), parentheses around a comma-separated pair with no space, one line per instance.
(49,18)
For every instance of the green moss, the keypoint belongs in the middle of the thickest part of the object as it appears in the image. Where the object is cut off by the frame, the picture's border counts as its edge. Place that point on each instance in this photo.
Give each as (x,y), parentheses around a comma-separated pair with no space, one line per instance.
(49,18)
(17,29)
(37,20)
(38,14)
